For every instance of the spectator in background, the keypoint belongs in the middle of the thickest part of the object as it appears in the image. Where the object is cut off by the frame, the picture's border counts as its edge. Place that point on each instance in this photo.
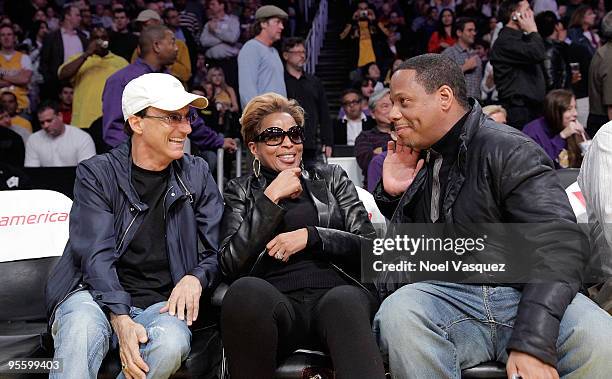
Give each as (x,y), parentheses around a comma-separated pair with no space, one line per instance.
(122,42)
(600,81)
(86,21)
(517,56)
(373,142)
(362,31)
(57,47)
(57,144)
(88,73)
(556,69)
(443,37)
(372,71)
(15,68)
(9,101)
(66,98)
(220,39)
(5,122)
(559,133)
(200,74)
(260,69)
(581,29)
(101,17)
(496,112)
(308,91)
(187,20)
(181,68)
(34,43)
(171,20)
(354,120)
(225,101)
(12,145)
(465,56)
(52,21)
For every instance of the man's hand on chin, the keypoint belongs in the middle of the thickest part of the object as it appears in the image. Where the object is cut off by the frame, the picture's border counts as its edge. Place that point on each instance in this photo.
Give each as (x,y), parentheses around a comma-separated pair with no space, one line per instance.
(529,367)
(185,297)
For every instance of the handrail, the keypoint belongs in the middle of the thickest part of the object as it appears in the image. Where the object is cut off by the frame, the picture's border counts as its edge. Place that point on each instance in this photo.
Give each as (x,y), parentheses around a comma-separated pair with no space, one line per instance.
(316,35)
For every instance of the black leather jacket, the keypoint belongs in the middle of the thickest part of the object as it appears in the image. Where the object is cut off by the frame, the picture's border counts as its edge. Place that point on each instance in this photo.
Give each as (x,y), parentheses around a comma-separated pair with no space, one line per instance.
(556,70)
(250,221)
(502,176)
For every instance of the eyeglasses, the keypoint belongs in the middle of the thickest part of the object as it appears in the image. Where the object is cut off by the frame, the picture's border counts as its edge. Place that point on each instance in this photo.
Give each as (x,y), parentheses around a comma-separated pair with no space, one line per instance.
(175,119)
(275,136)
(297,52)
(352,102)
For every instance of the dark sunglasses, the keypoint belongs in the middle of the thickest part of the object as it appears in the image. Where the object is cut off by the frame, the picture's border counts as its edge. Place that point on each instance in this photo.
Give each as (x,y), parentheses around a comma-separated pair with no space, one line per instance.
(275,136)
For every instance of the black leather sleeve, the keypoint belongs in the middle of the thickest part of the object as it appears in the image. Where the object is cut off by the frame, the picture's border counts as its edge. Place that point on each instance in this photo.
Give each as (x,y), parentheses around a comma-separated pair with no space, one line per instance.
(247,226)
(346,245)
(532,193)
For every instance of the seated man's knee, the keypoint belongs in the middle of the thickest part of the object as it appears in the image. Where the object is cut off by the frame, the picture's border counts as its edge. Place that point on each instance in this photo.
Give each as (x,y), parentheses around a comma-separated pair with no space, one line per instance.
(85,322)
(169,339)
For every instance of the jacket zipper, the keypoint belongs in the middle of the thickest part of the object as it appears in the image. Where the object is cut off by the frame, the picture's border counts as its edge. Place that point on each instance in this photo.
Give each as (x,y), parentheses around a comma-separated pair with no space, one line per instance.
(128,228)
(348,276)
(79,287)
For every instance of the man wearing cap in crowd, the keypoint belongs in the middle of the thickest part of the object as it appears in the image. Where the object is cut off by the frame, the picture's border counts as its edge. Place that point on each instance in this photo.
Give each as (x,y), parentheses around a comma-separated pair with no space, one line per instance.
(260,68)
(131,274)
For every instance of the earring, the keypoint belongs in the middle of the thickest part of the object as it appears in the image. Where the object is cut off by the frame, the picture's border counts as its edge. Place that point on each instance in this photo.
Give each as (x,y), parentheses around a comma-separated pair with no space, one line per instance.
(256,167)
(302,165)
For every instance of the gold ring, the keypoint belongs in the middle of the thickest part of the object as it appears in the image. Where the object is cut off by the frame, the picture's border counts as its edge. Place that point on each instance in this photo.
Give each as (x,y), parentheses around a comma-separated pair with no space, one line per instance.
(123,366)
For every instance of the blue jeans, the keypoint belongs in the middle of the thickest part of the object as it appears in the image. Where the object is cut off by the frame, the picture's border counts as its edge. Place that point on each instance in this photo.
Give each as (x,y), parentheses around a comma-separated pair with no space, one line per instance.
(82,336)
(435,329)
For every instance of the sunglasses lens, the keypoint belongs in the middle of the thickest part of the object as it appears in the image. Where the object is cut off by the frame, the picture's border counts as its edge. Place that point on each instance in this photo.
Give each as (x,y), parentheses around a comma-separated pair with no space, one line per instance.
(296,135)
(273,136)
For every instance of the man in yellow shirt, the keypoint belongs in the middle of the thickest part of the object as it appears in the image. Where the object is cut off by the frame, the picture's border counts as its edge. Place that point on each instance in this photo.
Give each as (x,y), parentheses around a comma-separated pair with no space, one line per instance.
(15,68)
(88,73)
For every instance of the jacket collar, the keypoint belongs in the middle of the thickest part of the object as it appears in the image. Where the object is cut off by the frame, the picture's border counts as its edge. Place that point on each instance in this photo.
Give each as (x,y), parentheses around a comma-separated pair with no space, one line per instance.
(121,160)
(316,187)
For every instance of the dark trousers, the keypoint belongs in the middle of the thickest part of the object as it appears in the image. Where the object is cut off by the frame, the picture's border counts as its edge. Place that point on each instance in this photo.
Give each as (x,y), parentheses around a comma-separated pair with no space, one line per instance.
(261,326)
(594,122)
(521,112)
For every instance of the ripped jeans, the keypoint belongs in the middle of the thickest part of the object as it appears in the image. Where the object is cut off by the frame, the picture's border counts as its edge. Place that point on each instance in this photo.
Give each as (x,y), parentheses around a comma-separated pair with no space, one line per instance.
(82,336)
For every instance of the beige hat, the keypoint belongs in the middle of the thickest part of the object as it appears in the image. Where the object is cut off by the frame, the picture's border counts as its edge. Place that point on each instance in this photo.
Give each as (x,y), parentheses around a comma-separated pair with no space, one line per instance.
(268,11)
(162,91)
(147,15)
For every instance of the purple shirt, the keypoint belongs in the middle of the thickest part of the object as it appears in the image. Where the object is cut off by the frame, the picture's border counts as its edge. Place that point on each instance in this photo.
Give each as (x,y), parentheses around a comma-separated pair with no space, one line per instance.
(375,171)
(551,142)
(112,115)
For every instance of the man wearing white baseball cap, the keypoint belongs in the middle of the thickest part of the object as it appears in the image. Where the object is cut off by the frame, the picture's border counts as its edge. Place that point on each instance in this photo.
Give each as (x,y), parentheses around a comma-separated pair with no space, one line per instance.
(131,272)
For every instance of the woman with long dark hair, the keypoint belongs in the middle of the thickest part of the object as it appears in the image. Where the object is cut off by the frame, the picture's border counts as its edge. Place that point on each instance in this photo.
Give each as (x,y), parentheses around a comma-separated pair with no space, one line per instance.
(581,29)
(443,37)
(291,241)
(559,133)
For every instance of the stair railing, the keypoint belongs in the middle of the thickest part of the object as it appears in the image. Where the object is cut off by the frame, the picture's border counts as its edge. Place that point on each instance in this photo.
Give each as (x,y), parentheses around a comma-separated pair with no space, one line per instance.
(314,40)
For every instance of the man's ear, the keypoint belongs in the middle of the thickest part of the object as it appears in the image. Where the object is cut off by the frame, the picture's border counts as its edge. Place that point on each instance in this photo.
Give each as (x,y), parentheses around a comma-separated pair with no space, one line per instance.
(447,97)
(285,56)
(135,124)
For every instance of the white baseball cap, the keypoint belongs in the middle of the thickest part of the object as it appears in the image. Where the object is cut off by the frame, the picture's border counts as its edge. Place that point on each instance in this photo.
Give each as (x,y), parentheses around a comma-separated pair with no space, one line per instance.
(162,91)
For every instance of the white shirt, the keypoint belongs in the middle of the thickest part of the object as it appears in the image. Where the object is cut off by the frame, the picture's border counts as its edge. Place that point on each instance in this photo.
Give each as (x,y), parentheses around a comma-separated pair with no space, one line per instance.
(67,150)
(595,180)
(353,129)
(23,133)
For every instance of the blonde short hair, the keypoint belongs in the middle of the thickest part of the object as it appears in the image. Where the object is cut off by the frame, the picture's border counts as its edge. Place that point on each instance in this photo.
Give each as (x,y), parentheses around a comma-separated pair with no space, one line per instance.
(264,105)
(490,110)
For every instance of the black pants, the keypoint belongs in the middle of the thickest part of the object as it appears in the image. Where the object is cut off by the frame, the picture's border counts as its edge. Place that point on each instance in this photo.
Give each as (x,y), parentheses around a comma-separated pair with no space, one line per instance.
(260,326)
(521,113)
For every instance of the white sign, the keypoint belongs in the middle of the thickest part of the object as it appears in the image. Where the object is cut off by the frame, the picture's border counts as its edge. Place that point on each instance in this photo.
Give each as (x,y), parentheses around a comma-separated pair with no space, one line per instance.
(33,224)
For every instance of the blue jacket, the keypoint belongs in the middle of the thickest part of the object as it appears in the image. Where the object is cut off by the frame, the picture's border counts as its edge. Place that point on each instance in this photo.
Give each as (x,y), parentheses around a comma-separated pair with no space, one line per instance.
(107,213)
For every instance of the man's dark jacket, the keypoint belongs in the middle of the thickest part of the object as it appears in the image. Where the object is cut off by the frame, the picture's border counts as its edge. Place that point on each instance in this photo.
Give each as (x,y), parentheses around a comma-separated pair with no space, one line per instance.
(502,176)
(340,129)
(517,60)
(106,215)
(52,57)
(556,69)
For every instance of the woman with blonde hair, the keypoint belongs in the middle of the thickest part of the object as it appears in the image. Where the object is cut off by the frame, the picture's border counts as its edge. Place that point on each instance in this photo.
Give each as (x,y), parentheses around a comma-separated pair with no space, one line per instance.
(292,242)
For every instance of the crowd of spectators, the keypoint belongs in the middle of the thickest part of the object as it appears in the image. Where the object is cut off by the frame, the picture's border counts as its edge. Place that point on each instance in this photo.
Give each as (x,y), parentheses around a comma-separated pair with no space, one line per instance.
(77,56)
(538,63)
